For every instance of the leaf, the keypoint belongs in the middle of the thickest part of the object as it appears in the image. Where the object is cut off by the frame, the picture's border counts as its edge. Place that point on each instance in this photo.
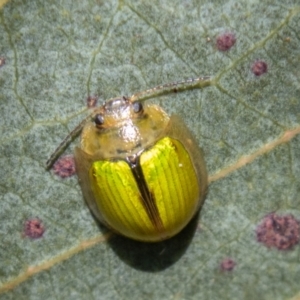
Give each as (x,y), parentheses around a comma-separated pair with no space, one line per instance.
(57,53)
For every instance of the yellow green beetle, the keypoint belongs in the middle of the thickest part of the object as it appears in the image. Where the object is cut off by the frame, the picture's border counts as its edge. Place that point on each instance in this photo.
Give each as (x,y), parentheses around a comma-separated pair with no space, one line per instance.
(141,172)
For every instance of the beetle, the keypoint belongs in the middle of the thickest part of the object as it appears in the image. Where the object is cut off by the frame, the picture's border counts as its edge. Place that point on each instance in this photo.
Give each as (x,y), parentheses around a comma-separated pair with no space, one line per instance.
(141,171)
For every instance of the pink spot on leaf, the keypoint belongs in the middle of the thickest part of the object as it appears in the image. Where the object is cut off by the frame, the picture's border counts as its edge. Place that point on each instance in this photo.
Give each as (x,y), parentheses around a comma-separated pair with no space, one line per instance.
(281,232)
(227,264)
(91,101)
(65,166)
(259,68)
(34,228)
(2,61)
(225,41)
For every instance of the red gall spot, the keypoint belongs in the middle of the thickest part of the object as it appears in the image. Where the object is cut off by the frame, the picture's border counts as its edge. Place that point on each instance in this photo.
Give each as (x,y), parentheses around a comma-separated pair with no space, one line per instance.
(34,228)
(227,264)
(2,61)
(225,41)
(64,166)
(281,232)
(91,101)
(259,67)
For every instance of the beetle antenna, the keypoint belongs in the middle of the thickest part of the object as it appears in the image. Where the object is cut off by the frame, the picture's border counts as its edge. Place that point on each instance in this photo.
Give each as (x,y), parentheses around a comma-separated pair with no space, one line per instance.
(67,140)
(159,90)
(177,86)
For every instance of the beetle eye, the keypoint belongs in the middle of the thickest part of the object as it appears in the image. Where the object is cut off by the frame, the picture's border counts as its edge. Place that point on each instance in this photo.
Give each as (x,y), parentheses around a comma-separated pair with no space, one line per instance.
(137,107)
(99,120)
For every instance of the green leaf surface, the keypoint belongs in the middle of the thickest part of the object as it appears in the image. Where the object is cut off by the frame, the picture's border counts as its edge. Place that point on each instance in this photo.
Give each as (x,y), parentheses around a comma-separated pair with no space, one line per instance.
(59,52)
